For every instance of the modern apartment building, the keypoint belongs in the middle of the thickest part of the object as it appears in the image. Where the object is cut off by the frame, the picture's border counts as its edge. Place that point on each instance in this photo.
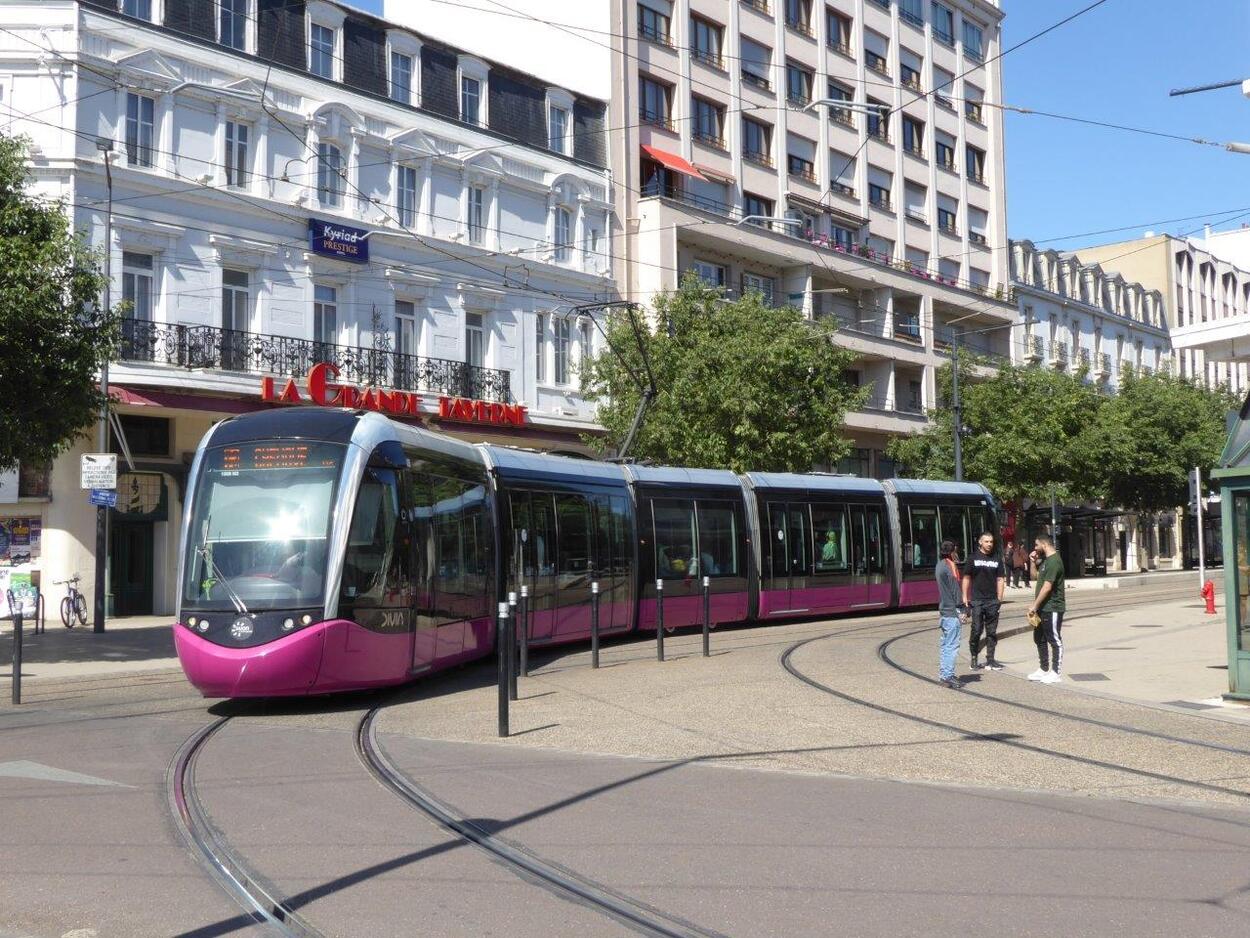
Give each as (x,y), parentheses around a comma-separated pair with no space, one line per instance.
(1207,298)
(299,187)
(845,157)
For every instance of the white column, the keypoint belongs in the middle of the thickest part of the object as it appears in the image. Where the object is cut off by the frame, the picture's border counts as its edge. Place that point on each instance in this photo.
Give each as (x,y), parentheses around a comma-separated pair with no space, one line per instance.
(579,233)
(120,132)
(492,236)
(424,220)
(262,172)
(218,161)
(550,236)
(165,105)
(310,166)
(464,202)
(357,195)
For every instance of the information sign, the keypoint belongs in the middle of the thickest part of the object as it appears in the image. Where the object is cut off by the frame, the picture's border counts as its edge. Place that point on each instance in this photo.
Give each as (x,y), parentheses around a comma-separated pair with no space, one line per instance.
(104,498)
(98,471)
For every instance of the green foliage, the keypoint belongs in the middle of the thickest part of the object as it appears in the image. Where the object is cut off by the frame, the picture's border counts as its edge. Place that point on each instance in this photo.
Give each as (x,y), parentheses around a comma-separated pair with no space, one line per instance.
(1031,431)
(53,337)
(741,386)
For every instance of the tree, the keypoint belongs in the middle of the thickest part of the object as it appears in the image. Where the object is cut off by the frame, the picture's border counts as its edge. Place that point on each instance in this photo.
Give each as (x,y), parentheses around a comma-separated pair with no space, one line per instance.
(53,335)
(1029,433)
(741,385)
(1152,434)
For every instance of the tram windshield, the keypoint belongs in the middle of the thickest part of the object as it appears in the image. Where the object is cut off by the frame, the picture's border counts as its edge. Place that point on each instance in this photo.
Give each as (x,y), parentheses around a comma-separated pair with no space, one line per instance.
(260,529)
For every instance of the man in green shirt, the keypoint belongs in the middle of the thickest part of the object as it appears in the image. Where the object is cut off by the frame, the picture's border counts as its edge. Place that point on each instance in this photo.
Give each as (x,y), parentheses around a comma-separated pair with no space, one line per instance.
(1048,603)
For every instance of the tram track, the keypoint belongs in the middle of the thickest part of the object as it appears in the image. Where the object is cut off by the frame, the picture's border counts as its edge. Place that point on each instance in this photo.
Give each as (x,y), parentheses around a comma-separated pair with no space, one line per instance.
(262,904)
(556,879)
(786,660)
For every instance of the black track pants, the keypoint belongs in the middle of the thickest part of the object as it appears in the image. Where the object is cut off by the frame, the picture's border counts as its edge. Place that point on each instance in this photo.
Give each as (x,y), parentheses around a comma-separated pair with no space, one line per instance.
(984,619)
(1049,640)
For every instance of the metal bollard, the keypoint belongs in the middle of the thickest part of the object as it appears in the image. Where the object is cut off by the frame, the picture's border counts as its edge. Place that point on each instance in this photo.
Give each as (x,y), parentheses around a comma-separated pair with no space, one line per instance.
(659,620)
(707,615)
(16,609)
(501,642)
(523,610)
(594,624)
(512,653)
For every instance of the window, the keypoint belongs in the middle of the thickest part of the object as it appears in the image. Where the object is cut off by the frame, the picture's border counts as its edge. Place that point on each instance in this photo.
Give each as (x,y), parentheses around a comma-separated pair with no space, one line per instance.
(842,237)
(879,195)
(755,283)
(943,24)
(973,39)
(477,225)
(540,348)
(34,480)
(718,540)
(405,327)
(975,164)
(800,157)
(943,87)
(915,197)
(236,155)
(401,78)
(973,97)
(829,530)
(912,11)
(558,129)
(676,537)
(329,175)
(654,101)
(839,92)
(757,141)
(944,152)
(910,75)
(235,296)
(474,340)
(140,9)
(470,100)
(406,196)
(709,121)
(711,274)
(232,23)
(842,173)
(879,121)
(654,24)
(839,29)
(325,314)
(798,84)
(145,436)
(877,52)
(321,50)
(564,234)
(955,528)
(756,64)
(588,340)
(137,283)
(913,136)
(561,349)
(947,221)
(755,205)
(706,39)
(799,16)
(921,552)
(978,219)
(140,124)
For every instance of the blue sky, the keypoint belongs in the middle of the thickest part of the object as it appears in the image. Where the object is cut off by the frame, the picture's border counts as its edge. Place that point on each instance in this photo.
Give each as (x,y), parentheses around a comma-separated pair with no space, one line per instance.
(1117,64)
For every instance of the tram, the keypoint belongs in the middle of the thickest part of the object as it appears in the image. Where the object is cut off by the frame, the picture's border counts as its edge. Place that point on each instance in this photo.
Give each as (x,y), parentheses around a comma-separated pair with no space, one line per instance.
(330,550)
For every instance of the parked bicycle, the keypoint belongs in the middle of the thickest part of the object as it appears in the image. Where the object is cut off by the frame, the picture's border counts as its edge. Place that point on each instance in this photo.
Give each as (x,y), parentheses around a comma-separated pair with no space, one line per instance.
(73,606)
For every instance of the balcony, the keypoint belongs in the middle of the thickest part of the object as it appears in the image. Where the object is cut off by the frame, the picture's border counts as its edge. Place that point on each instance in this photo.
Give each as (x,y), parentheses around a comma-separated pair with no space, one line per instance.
(758,5)
(758,157)
(839,46)
(879,132)
(841,188)
(655,119)
(1058,354)
(1102,366)
(208,347)
(977,237)
(907,328)
(972,111)
(651,34)
(944,102)
(1033,348)
(949,227)
(757,81)
(877,63)
(803,169)
(798,99)
(909,407)
(711,140)
(799,26)
(708,57)
(881,201)
(1083,358)
(841,115)
(1126,368)
(976,176)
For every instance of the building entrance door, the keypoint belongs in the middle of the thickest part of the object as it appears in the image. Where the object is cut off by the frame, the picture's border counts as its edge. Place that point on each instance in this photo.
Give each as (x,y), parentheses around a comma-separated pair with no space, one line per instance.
(131,569)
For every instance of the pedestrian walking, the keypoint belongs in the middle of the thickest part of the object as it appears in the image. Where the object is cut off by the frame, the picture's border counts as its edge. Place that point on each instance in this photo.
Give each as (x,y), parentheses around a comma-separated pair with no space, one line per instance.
(950,611)
(1020,566)
(984,582)
(1046,612)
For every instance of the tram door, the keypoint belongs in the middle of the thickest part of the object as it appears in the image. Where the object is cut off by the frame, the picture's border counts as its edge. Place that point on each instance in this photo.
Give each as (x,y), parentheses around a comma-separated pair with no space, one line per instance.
(574,564)
(790,533)
(868,556)
(534,558)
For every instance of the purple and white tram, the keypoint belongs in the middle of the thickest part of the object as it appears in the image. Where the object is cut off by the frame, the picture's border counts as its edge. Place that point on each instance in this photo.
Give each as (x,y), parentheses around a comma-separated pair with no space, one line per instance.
(331,550)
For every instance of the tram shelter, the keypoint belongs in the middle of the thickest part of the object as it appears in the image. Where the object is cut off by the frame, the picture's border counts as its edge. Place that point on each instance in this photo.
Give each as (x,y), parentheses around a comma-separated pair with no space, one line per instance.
(1233,477)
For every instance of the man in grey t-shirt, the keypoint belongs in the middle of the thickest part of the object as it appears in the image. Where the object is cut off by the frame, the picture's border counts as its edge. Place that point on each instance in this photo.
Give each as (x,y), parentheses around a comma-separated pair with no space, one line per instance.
(950,608)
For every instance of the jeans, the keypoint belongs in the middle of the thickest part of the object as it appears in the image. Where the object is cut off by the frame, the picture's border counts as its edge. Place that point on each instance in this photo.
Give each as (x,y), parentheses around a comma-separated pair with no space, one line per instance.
(948,647)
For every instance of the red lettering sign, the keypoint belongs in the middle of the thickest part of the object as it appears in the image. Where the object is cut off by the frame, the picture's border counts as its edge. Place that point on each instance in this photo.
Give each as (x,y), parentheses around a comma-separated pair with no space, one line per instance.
(487,412)
(324,391)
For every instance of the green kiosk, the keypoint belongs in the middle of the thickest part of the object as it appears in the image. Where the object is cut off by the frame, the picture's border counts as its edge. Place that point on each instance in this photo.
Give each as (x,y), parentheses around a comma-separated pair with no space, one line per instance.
(1233,476)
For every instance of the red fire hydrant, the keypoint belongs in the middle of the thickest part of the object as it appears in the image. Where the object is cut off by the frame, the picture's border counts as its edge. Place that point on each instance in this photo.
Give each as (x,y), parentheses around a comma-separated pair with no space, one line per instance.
(1208,593)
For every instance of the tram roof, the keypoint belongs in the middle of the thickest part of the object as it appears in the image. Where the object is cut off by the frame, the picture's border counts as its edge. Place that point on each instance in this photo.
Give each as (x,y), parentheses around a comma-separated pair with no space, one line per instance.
(516,463)
(676,476)
(815,483)
(925,487)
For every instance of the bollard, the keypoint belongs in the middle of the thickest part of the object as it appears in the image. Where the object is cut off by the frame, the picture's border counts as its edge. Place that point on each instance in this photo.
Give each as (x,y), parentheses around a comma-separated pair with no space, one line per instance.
(16,610)
(501,643)
(594,624)
(512,653)
(523,610)
(707,615)
(659,620)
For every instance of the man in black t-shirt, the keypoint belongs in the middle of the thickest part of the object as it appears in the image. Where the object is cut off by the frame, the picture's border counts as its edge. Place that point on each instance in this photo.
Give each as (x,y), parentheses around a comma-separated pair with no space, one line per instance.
(984,580)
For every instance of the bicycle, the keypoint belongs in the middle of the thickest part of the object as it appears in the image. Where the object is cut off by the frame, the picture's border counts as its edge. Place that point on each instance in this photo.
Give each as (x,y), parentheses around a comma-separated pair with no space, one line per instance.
(74,605)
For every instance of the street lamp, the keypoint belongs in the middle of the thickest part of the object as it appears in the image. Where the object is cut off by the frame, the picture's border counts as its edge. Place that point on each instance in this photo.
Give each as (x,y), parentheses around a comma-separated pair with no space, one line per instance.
(775,219)
(105,146)
(880,110)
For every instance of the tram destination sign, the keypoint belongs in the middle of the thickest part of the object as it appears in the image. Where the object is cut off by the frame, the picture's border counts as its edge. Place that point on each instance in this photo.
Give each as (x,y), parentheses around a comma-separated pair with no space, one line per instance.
(343,242)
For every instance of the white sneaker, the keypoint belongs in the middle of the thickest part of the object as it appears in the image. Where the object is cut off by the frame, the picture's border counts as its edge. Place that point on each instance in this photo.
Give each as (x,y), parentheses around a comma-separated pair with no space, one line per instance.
(1038,675)
(1052,677)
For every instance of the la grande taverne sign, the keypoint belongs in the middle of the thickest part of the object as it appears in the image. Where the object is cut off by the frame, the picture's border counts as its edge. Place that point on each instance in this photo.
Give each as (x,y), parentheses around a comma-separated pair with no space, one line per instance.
(324,390)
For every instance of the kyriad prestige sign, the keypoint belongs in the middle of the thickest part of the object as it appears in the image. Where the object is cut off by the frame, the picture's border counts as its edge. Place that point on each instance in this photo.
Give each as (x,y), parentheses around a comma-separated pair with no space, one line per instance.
(343,242)
(324,391)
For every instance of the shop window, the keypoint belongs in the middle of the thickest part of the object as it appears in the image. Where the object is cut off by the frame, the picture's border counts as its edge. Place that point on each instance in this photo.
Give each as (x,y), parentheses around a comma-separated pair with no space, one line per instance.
(34,480)
(146,436)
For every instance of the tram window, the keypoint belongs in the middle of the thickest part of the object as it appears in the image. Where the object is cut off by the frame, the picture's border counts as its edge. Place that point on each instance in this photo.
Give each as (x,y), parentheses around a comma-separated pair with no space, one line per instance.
(573,515)
(542,554)
(800,541)
(777,538)
(829,530)
(876,542)
(955,528)
(924,539)
(603,555)
(621,559)
(371,568)
(522,558)
(718,540)
(675,537)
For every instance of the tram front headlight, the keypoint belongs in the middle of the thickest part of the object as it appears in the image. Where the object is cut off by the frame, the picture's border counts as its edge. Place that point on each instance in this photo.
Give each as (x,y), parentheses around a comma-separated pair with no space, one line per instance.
(191,622)
(288,624)
(307,620)
(203,626)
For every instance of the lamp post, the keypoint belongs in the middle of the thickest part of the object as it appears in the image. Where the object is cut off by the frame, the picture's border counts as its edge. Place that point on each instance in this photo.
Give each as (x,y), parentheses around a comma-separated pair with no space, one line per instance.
(105,147)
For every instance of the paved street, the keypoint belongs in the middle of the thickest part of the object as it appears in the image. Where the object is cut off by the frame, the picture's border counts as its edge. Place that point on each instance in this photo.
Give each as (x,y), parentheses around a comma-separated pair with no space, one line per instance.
(720,796)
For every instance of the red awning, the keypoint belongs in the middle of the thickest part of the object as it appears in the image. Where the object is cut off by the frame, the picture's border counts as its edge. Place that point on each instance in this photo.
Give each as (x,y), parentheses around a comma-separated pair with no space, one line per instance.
(146,398)
(672,161)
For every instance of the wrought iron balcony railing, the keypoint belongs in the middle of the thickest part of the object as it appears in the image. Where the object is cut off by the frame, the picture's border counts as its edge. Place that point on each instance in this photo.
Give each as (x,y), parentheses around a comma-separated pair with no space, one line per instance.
(252,353)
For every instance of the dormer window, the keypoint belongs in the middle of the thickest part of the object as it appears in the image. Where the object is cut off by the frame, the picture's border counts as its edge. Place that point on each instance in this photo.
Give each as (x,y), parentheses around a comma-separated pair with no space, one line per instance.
(321,45)
(232,22)
(139,9)
(401,78)
(560,121)
(473,91)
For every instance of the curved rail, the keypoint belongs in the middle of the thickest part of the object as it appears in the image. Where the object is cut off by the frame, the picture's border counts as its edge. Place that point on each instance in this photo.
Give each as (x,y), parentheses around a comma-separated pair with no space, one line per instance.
(557,880)
(260,902)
